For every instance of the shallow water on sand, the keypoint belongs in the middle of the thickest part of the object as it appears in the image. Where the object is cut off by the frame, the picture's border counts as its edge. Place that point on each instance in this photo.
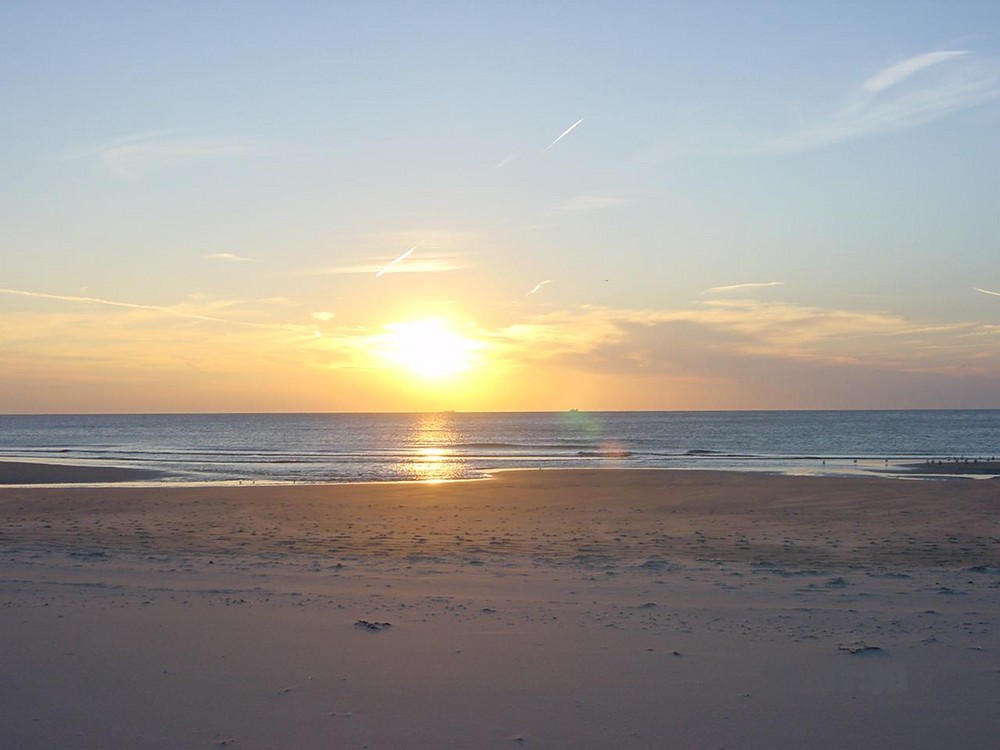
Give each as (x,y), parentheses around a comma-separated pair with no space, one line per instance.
(448,445)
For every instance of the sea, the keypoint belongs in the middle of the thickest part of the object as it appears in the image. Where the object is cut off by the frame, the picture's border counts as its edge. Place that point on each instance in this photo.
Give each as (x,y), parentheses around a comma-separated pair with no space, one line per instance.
(290,448)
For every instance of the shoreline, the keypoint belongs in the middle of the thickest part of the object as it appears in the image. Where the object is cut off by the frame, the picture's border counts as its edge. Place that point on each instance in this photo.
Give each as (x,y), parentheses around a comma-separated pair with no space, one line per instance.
(30,473)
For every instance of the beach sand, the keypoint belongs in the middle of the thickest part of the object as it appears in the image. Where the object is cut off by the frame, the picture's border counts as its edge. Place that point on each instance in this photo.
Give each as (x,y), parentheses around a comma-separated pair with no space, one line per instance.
(538,609)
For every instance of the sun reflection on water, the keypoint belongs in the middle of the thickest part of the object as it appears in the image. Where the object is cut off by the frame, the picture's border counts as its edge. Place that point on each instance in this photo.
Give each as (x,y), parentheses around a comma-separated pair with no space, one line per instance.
(434,458)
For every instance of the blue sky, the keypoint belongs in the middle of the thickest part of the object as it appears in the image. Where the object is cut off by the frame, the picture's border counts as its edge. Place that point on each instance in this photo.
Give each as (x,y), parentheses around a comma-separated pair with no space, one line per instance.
(761,205)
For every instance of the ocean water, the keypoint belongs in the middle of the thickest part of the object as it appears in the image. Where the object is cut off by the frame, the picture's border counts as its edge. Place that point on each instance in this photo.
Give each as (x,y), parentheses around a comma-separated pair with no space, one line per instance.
(440,446)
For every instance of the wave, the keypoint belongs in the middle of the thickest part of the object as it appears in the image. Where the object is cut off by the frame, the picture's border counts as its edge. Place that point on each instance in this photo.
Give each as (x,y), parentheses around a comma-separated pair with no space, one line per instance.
(404,446)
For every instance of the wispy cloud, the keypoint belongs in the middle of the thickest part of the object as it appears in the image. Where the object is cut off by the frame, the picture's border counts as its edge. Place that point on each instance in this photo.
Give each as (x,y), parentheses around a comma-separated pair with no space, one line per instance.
(429,251)
(230,257)
(160,309)
(538,286)
(692,340)
(896,74)
(505,161)
(749,285)
(58,352)
(912,92)
(987,291)
(142,152)
(419,264)
(563,134)
(754,348)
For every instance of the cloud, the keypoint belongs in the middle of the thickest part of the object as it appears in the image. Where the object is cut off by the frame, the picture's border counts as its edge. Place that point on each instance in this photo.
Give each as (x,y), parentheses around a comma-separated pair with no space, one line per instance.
(749,285)
(505,161)
(230,257)
(144,152)
(440,251)
(420,264)
(896,74)
(719,337)
(160,309)
(986,291)
(727,352)
(913,92)
(58,354)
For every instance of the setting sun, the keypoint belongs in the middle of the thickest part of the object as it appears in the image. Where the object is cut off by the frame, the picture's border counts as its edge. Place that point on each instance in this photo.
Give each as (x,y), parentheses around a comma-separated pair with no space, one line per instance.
(429,348)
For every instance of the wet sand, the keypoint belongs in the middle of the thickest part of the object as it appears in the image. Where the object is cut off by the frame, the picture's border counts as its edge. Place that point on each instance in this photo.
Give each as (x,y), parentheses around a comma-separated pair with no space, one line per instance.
(960,467)
(25,472)
(550,609)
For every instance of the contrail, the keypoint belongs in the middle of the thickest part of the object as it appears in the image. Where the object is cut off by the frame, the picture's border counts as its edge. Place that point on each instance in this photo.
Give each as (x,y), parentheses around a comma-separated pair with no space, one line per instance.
(153,308)
(538,286)
(504,161)
(986,291)
(566,132)
(404,256)
(229,256)
(751,285)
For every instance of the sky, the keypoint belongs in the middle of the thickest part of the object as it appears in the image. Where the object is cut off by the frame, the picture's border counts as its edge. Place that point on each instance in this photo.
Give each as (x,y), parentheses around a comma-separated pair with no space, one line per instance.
(407,206)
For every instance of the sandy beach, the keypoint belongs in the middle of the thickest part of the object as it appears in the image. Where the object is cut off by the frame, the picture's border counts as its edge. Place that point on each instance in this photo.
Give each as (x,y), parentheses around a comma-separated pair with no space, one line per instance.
(538,609)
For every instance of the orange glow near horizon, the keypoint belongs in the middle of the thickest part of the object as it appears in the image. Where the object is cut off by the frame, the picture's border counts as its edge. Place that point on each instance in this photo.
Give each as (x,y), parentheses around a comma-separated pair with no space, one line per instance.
(429,348)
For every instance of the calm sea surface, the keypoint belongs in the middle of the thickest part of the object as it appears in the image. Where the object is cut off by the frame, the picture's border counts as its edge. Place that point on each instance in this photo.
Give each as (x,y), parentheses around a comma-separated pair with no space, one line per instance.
(392,447)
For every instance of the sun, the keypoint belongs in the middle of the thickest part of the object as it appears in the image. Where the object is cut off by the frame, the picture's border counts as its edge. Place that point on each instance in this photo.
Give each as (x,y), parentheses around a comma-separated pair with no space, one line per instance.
(429,348)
